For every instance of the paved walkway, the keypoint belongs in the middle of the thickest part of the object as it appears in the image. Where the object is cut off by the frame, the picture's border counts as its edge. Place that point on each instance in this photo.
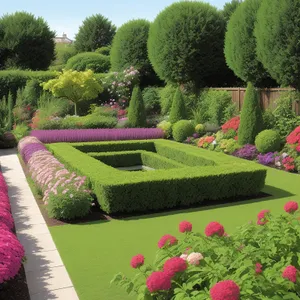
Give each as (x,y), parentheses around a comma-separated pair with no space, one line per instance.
(47,277)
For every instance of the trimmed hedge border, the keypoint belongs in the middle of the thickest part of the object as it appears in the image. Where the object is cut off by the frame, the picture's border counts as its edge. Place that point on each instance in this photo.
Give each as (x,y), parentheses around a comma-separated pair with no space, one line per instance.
(212,176)
(88,135)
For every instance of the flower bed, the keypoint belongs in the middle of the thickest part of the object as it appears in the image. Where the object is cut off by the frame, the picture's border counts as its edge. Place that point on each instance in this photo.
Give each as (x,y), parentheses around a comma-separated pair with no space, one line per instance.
(90,135)
(64,192)
(11,251)
(260,261)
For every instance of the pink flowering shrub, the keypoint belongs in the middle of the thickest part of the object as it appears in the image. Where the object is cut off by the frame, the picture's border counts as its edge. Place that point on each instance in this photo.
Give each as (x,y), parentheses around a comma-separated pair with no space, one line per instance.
(64,192)
(256,262)
(11,250)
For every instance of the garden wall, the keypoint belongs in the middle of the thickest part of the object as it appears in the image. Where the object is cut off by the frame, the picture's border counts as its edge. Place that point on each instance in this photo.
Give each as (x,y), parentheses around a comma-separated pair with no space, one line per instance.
(267,97)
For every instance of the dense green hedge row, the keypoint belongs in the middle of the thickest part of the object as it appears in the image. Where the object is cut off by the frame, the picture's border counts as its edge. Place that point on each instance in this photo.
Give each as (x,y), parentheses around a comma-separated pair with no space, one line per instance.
(12,80)
(160,189)
(134,158)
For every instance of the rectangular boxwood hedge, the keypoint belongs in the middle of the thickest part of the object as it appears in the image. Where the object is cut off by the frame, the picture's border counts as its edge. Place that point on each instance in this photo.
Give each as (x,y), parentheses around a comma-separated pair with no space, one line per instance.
(206,175)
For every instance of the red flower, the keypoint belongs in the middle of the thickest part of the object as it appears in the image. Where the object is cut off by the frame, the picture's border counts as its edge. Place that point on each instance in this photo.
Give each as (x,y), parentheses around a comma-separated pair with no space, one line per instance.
(233,123)
(288,163)
(167,240)
(158,281)
(261,217)
(185,226)
(298,148)
(291,206)
(258,268)
(214,228)
(137,261)
(174,265)
(290,273)
(294,137)
(225,290)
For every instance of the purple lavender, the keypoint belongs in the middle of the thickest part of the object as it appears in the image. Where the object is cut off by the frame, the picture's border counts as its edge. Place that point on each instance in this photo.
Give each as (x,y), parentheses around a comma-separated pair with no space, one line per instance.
(30,149)
(247,152)
(196,135)
(93,135)
(267,159)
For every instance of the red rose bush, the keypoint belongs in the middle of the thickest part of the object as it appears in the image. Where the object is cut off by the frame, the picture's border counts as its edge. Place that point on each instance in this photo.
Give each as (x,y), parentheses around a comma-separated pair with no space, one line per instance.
(259,261)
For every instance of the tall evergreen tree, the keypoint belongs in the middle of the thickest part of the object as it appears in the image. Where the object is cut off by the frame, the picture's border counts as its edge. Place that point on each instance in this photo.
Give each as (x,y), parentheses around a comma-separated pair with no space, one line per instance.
(178,109)
(136,110)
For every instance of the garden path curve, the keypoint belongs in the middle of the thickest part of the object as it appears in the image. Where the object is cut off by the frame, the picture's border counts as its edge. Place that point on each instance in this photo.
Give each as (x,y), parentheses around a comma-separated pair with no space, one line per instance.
(46,275)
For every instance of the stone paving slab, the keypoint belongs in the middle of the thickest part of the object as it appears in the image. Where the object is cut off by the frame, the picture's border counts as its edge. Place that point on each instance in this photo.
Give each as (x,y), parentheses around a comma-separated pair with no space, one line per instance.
(46,275)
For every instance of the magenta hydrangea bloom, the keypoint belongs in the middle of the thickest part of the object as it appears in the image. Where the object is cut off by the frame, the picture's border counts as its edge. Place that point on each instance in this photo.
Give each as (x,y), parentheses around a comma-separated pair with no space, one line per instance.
(290,273)
(11,255)
(262,217)
(158,281)
(225,290)
(175,265)
(185,226)
(214,228)
(167,240)
(291,206)
(137,261)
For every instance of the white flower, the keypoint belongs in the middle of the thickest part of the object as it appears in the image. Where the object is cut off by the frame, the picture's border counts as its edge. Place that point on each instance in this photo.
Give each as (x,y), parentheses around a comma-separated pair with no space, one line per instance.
(194,258)
(184,256)
(71,196)
(284,155)
(278,164)
(214,142)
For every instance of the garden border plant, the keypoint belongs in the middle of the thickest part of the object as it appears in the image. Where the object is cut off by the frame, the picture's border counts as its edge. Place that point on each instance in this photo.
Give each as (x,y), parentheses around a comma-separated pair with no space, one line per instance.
(199,180)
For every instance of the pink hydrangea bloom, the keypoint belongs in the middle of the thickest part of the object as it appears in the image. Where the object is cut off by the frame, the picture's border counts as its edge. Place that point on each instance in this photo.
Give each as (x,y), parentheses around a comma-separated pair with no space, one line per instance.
(214,228)
(225,290)
(261,217)
(137,261)
(194,258)
(290,273)
(291,206)
(167,240)
(185,226)
(175,265)
(184,256)
(158,281)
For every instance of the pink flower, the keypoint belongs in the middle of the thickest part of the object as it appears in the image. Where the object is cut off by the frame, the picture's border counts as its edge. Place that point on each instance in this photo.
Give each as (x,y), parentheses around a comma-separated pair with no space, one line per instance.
(214,228)
(261,217)
(184,256)
(175,265)
(158,281)
(298,148)
(258,268)
(291,206)
(185,226)
(137,261)
(167,240)
(225,290)
(290,273)
(194,258)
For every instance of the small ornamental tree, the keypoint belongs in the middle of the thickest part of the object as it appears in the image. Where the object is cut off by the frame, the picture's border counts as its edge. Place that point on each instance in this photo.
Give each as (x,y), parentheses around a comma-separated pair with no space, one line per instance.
(178,109)
(186,42)
(95,32)
(74,86)
(240,44)
(278,35)
(28,41)
(251,123)
(136,110)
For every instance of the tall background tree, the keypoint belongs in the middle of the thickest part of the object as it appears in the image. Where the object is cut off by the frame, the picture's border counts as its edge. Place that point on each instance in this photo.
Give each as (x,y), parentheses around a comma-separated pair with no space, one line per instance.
(186,43)
(229,8)
(240,45)
(95,32)
(129,48)
(27,42)
(278,40)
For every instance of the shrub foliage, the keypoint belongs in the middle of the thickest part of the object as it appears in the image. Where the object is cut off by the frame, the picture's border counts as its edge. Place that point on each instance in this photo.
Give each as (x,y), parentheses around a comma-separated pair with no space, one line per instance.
(177,51)
(95,32)
(268,141)
(136,110)
(251,117)
(178,109)
(182,129)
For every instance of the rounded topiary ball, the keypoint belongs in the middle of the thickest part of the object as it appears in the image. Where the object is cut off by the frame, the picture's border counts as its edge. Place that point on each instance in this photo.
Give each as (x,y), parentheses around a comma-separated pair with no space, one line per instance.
(182,129)
(268,141)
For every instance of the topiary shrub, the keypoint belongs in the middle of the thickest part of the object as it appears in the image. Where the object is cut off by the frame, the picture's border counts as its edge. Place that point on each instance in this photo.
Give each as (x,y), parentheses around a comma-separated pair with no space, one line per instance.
(69,205)
(136,110)
(268,141)
(251,117)
(178,109)
(104,50)
(151,100)
(182,129)
(178,53)
(89,60)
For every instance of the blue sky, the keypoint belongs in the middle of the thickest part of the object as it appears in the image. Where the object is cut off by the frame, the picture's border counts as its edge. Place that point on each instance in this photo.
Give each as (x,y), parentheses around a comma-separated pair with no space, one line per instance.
(67,15)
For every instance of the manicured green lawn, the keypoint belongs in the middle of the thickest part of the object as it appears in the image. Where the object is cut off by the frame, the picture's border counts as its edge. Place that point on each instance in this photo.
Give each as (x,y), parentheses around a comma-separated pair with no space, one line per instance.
(94,252)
